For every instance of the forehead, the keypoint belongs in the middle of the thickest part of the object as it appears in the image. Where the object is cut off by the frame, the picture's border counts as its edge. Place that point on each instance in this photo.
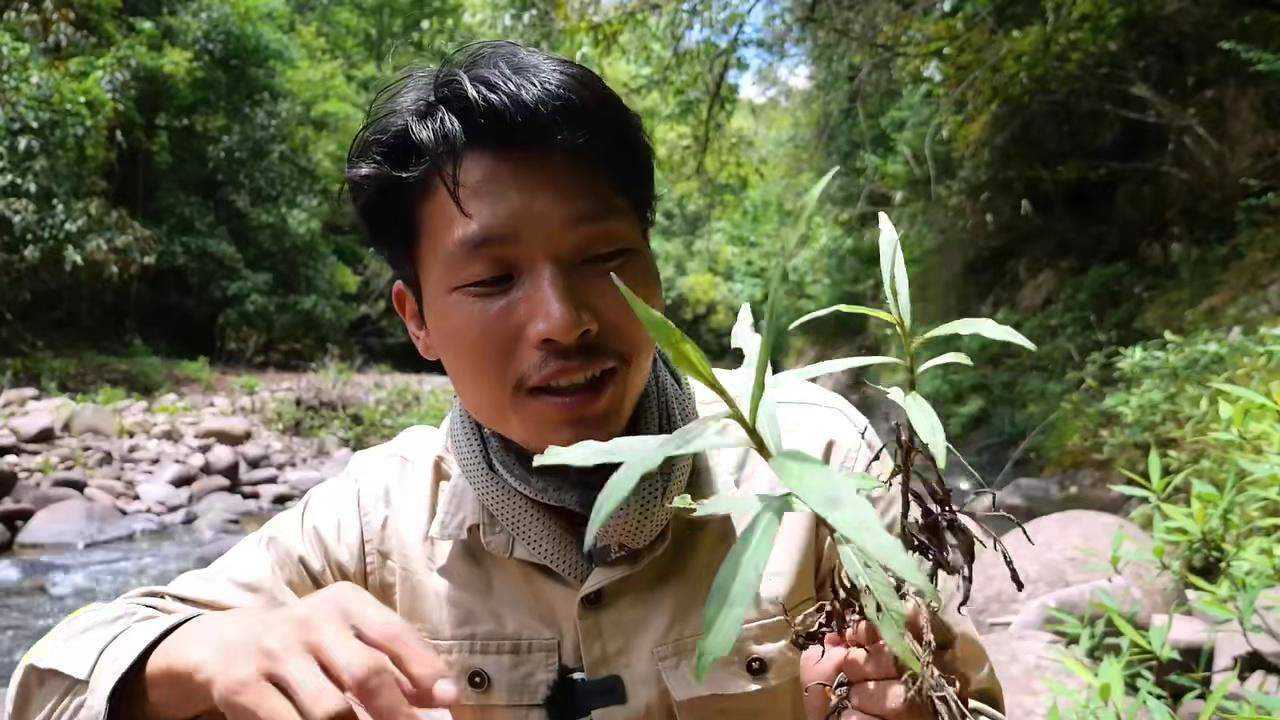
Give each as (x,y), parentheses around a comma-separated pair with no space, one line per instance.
(509,194)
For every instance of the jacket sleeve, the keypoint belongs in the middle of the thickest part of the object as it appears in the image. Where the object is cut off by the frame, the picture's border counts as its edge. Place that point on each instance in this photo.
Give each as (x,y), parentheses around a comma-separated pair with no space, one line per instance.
(961,653)
(72,671)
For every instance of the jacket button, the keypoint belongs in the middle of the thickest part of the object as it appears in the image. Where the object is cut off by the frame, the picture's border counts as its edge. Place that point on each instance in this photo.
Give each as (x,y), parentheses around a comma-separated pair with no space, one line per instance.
(757,666)
(478,680)
(593,598)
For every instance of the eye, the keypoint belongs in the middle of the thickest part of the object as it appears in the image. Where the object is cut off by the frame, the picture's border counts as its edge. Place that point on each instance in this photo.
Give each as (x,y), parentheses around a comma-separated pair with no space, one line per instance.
(489,284)
(610,258)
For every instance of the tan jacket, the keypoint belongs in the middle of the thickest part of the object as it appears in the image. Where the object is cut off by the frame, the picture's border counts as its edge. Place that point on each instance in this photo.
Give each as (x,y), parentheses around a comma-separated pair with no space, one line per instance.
(402,523)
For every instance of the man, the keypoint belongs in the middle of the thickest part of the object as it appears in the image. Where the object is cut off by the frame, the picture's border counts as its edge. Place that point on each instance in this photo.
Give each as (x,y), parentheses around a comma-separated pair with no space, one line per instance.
(441,569)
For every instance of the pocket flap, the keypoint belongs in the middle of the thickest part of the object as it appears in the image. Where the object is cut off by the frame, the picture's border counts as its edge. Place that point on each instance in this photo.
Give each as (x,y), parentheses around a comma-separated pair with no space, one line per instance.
(501,672)
(761,657)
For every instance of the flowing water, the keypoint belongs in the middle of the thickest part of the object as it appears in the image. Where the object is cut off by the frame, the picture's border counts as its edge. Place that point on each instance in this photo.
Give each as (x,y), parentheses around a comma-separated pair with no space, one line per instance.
(40,587)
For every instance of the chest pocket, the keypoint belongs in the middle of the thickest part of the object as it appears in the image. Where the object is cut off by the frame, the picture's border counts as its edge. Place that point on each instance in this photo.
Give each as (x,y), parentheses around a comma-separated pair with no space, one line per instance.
(760,677)
(500,679)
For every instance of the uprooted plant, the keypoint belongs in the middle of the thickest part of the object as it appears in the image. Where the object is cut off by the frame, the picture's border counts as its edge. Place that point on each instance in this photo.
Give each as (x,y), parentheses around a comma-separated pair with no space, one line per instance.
(879,575)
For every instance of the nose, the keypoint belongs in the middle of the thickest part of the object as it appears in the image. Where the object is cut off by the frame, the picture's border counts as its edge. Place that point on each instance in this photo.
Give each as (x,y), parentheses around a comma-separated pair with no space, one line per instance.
(558,314)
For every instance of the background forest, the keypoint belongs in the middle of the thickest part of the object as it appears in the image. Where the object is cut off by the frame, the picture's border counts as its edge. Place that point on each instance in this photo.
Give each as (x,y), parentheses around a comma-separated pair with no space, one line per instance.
(1103,175)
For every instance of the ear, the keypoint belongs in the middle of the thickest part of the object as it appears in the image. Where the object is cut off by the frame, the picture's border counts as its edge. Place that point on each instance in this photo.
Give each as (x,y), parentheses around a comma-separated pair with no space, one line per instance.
(406,305)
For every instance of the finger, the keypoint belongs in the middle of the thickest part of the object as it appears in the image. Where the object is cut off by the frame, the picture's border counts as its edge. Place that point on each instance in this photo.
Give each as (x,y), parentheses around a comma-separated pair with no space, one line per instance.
(259,701)
(886,699)
(382,629)
(876,662)
(862,633)
(312,691)
(820,664)
(369,676)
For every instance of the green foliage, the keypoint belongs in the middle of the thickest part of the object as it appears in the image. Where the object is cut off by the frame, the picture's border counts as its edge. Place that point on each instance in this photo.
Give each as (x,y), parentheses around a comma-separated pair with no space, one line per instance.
(386,412)
(104,376)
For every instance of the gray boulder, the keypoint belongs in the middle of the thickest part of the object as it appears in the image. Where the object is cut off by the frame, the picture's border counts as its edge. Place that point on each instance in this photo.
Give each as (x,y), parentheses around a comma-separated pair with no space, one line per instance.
(302,480)
(277,494)
(259,476)
(6,538)
(12,513)
(164,494)
(1028,666)
(8,442)
(18,396)
(175,474)
(208,484)
(220,501)
(100,496)
(253,454)
(1074,548)
(76,522)
(42,497)
(93,419)
(73,479)
(222,460)
(34,427)
(228,429)
(110,486)
(8,479)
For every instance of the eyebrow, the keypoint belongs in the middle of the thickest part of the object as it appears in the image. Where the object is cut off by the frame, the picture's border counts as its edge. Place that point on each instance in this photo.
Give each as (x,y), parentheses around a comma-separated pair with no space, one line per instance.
(477,239)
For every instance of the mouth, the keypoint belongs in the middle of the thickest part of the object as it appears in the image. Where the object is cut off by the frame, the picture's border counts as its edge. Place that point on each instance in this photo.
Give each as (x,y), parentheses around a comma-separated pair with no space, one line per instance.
(577,391)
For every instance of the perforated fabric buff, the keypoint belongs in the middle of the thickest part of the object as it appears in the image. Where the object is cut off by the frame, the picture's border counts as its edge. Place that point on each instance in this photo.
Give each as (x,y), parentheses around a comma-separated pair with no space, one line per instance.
(529,502)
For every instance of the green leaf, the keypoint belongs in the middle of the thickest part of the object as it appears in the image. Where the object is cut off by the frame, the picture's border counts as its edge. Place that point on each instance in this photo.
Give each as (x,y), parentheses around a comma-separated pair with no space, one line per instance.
(826,367)
(1216,697)
(736,503)
(893,271)
(986,327)
(838,499)
(923,420)
(1154,471)
(735,586)
(1246,394)
(880,600)
(639,455)
(856,309)
(943,359)
(770,334)
(1125,627)
(683,351)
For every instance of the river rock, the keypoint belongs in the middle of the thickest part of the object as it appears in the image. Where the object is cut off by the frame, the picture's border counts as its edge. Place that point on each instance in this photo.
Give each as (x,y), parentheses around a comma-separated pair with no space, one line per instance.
(76,522)
(217,522)
(259,476)
(1074,549)
(302,480)
(8,478)
(12,513)
(73,479)
(100,496)
(208,484)
(181,516)
(163,494)
(1027,498)
(276,493)
(113,487)
(195,460)
(8,441)
(175,473)
(35,427)
(222,460)
(253,454)
(221,501)
(6,538)
(1028,666)
(18,396)
(93,419)
(42,497)
(229,429)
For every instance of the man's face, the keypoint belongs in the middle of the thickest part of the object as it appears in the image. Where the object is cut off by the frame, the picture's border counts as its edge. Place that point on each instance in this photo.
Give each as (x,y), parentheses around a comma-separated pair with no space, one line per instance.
(519,307)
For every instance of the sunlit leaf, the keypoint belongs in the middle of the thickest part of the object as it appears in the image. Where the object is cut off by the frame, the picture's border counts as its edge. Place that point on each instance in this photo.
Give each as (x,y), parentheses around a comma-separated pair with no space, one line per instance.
(923,420)
(735,586)
(1129,631)
(881,603)
(838,498)
(638,458)
(856,309)
(944,359)
(1246,394)
(1154,471)
(826,367)
(736,502)
(986,327)
(893,271)
(679,347)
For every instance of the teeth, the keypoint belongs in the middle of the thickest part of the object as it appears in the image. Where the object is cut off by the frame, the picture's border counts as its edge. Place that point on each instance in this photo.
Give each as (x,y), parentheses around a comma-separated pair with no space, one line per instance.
(576,380)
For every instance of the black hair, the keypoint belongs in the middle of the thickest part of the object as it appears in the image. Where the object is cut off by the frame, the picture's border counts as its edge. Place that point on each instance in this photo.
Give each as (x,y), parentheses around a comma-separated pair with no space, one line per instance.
(494,95)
